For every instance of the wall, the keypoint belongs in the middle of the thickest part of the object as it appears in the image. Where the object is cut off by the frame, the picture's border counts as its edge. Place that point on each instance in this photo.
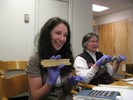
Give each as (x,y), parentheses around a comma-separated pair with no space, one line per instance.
(17,37)
(82,23)
(124,14)
(45,9)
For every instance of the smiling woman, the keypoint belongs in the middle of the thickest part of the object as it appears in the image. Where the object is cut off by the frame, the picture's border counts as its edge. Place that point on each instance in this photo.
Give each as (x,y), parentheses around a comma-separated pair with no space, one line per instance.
(52,83)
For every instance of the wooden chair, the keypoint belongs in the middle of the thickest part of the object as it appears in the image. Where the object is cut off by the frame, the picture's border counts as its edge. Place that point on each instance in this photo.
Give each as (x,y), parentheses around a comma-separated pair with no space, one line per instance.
(129,71)
(1,67)
(13,79)
(1,81)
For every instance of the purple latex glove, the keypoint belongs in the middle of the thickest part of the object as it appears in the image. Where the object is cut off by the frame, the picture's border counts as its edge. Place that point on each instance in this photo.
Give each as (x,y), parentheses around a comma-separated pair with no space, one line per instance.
(53,72)
(120,58)
(103,60)
(74,80)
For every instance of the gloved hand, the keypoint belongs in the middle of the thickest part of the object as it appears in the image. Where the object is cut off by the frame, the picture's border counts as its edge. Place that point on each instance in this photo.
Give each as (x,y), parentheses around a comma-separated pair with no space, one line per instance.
(120,58)
(103,60)
(74,80)
(53,72)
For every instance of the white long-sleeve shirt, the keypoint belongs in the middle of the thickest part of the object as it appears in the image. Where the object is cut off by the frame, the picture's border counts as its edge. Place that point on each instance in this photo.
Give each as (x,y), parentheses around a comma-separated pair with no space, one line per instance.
(82,69)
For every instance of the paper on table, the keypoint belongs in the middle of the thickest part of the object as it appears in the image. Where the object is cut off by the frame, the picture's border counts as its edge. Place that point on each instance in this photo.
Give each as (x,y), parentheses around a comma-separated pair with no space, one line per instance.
(126,94)
(127,79)
(116,86)
(130,82)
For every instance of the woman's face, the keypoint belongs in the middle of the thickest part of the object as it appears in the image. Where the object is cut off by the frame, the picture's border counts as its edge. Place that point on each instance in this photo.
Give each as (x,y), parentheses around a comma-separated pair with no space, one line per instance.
(59,36)
(92,44)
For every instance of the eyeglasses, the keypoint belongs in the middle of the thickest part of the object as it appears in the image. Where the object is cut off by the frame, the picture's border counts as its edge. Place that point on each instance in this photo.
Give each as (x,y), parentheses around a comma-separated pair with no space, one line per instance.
(93,41)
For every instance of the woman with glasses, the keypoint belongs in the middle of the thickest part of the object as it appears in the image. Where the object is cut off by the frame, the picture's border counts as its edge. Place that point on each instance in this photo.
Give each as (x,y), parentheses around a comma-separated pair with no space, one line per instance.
(93,65)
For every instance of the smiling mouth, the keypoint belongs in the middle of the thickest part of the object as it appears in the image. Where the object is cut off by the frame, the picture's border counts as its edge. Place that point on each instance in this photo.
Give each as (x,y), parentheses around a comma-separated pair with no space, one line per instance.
(58,45)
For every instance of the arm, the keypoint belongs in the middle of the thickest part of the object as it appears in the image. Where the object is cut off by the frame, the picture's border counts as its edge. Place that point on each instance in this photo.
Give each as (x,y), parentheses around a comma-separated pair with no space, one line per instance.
(88,74)
(118,59)
(82,70)
(35,81)
(113,69)
(36,88)
(34,78)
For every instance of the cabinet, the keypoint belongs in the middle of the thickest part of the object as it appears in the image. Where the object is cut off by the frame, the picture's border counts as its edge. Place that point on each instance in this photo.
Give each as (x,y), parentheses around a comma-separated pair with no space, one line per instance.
(115,38)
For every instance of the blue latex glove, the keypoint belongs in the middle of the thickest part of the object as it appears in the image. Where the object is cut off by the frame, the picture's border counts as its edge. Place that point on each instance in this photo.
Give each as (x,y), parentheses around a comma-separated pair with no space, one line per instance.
(53,72)
(74,80)
(103,60)
(120,58)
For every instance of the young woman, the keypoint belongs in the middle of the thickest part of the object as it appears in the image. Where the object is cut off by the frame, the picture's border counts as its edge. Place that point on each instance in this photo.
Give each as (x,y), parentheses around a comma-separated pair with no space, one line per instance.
(94,66)
(53,83)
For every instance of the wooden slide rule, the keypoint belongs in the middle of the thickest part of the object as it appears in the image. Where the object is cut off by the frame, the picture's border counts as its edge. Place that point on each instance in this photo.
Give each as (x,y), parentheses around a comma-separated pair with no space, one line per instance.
(55,63)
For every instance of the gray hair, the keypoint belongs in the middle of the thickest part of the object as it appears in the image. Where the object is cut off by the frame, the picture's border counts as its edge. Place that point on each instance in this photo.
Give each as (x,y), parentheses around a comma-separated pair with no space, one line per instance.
(87,37)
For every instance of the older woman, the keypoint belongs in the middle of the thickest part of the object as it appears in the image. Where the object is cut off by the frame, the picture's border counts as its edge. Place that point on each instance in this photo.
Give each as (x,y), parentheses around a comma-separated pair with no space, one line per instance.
(94,66)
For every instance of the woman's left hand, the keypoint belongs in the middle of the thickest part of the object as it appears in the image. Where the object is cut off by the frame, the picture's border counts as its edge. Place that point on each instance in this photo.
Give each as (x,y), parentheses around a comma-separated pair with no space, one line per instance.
(53,72)
(120,58)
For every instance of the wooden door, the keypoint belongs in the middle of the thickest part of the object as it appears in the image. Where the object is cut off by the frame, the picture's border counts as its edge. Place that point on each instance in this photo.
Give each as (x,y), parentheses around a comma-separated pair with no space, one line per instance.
(121,41)
(105,39)
(115,39)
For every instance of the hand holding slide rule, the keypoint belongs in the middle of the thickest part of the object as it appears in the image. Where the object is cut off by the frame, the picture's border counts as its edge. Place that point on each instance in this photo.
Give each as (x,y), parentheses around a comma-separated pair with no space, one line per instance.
(54,62)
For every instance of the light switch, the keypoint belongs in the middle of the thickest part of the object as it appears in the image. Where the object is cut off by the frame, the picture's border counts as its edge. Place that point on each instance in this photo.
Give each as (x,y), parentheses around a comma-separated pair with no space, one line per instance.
(26,18)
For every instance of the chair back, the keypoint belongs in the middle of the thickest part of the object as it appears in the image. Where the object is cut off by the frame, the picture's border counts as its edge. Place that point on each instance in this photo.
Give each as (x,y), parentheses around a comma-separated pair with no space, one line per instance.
(1,81)
(1,67)
(14,65)
(13,78)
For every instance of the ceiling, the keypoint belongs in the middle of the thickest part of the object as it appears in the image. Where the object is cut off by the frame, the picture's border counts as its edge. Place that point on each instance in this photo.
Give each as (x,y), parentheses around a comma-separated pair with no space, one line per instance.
(114,5)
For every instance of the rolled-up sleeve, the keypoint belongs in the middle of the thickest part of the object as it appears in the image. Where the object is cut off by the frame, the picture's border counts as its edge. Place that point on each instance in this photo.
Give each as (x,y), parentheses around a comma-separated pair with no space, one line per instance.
(33,66)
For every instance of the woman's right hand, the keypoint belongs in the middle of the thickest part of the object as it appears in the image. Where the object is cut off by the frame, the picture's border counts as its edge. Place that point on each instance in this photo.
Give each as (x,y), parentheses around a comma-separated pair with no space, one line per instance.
(103,60)
(53,72)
